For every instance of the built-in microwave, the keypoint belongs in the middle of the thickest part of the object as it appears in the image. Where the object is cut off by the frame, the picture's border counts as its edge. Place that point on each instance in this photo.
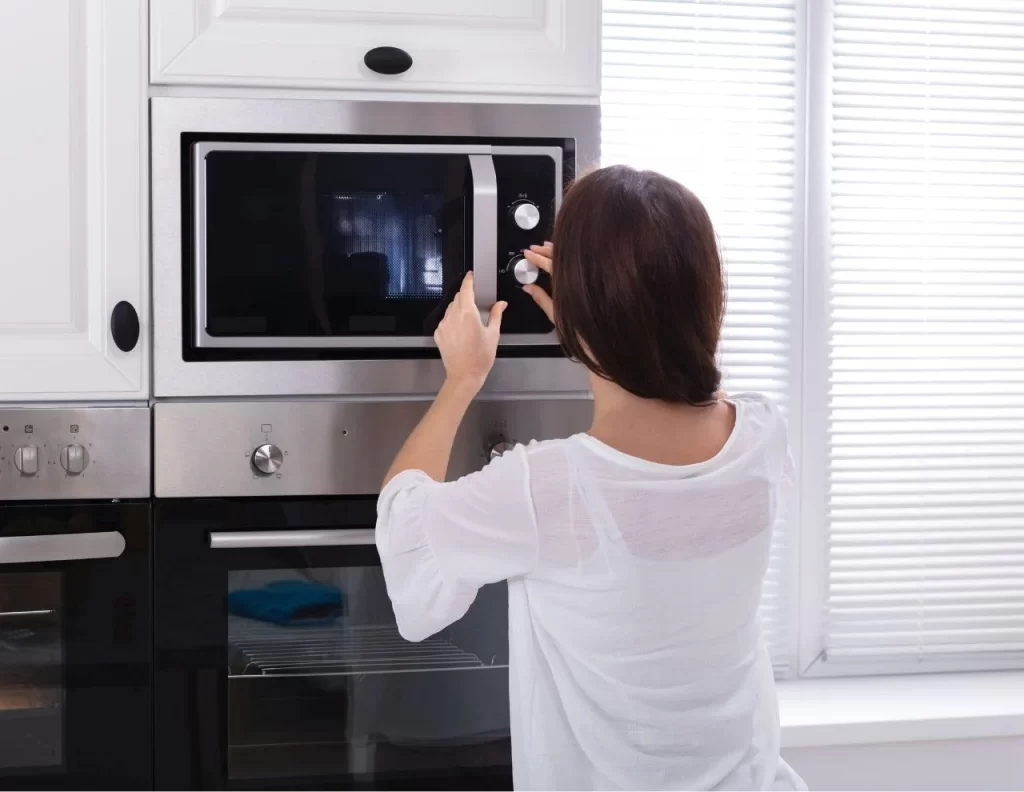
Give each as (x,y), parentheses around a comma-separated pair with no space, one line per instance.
(313,247)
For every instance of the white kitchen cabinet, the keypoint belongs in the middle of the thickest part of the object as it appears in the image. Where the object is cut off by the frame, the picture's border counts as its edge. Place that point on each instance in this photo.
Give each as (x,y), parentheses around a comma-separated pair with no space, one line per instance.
(510,47)
(73,198)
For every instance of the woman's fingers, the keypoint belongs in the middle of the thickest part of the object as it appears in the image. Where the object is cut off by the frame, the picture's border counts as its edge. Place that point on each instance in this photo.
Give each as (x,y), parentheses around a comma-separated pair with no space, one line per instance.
(466,295)
(539,259)
(543,300)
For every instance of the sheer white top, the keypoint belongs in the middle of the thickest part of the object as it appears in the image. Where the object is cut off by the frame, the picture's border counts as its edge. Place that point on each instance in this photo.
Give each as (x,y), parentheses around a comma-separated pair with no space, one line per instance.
(637,659)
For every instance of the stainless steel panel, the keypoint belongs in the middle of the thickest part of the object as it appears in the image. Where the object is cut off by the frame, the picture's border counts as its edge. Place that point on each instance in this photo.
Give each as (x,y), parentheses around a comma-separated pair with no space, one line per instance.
(115,453)
(171,116)
(247,540)
(39,549)
(329,447)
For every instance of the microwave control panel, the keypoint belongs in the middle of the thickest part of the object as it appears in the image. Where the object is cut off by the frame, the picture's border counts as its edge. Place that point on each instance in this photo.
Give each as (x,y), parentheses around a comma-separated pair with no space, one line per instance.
(526,216)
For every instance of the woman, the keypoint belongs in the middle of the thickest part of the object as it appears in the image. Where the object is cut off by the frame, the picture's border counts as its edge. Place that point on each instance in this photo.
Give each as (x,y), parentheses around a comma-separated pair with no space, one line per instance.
(634,553)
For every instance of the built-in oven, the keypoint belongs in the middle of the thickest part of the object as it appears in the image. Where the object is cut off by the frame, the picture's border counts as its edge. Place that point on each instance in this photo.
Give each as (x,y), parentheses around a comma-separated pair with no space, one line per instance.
(312,247)
(75,638)
(278,661)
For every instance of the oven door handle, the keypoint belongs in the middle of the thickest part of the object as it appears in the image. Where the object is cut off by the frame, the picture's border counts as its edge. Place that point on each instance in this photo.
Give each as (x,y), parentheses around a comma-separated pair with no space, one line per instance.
(40,548)
(251,540)
(485,232)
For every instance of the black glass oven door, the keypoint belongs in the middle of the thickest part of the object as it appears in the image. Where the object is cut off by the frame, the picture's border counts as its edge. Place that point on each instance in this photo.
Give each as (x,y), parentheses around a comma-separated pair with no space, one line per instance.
(279,664)
(337,245)
(75,692)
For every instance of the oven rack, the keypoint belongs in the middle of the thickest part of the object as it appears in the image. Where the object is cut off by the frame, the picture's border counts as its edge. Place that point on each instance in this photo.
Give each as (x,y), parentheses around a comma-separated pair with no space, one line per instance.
(265,650)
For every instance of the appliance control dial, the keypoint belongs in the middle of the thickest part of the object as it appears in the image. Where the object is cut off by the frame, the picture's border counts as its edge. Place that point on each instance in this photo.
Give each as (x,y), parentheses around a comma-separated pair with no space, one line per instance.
(525,272)
(72,459)
(500,448)
(26,460)
(526,215)
(267,459)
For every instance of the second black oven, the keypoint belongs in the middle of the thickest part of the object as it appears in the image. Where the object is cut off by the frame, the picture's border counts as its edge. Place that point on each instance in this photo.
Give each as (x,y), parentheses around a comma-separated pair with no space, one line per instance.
(278,660)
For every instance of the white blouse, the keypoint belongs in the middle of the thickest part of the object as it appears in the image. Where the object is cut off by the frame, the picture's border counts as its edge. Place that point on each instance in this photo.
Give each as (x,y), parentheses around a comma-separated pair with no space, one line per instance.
(637,659)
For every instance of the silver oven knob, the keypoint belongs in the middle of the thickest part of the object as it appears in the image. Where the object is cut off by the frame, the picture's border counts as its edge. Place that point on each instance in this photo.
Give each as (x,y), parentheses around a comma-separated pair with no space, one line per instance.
(26,460)
(500,448)
(525,272)
(267,459)
(72,459)
(526,215)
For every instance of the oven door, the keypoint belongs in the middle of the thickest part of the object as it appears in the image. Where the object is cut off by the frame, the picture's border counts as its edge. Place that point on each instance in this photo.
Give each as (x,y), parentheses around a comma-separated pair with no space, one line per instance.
(349,246)
(279,665)
(75,644)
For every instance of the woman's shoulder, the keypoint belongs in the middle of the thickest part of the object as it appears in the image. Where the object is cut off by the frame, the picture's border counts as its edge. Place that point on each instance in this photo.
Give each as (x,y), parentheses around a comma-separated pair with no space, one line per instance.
(757,412)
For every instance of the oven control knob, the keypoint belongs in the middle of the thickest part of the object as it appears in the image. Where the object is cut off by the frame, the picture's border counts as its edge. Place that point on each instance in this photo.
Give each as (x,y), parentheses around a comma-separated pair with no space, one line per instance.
(524,272)
(26,460)
(526,215)
(267,459)
(72,459)
(500,448)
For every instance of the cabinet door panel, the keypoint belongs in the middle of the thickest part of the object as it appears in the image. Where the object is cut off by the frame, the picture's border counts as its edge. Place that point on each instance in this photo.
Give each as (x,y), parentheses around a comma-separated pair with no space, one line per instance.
(72,198)
(530,47)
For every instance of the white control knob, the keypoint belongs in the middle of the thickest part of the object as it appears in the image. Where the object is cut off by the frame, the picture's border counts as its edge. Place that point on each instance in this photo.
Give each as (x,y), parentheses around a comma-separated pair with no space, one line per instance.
(72,459)
(525,272)
(267,459)
(526,215)
(26,460)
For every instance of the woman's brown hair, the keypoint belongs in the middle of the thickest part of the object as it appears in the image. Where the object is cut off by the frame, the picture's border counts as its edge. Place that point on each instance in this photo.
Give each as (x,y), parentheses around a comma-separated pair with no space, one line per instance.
(637,284)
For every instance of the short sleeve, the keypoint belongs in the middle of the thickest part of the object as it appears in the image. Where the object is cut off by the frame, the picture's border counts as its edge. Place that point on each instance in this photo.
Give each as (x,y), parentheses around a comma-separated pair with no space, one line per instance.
(440,542)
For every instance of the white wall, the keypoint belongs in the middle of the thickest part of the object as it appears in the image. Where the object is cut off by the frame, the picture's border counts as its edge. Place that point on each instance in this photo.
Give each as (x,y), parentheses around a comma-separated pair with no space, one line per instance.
(985,764)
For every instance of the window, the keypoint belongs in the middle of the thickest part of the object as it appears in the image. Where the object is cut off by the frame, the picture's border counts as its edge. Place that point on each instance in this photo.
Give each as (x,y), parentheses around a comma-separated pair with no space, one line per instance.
(864,159)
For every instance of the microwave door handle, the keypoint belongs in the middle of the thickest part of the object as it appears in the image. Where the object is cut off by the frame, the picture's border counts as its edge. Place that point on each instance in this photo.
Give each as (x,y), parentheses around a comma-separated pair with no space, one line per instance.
(250,540)
(485,232)
(41,548)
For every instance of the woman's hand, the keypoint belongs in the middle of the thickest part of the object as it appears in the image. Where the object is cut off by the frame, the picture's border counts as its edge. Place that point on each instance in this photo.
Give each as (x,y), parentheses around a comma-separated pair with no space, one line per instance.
(468,347)
(540,256)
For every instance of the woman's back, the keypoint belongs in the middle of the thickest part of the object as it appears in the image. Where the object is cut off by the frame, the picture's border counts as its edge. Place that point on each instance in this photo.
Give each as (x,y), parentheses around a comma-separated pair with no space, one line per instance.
(644,608)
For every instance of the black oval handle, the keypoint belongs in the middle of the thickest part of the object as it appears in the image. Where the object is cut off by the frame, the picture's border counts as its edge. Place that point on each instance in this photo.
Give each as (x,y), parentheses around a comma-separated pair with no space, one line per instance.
(124,326)
(388,60)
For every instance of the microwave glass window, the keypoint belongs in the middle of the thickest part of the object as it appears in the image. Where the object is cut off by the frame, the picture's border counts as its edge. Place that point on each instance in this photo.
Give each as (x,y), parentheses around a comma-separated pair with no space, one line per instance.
(31,671)
(307,244)
(386,244)
(320,683)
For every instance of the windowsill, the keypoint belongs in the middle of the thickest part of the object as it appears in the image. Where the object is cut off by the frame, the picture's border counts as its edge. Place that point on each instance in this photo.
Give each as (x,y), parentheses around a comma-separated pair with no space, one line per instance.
(866,710)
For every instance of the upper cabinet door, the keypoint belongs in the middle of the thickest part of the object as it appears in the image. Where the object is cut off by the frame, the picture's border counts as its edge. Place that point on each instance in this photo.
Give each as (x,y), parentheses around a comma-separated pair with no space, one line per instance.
(73,203)
(518,47)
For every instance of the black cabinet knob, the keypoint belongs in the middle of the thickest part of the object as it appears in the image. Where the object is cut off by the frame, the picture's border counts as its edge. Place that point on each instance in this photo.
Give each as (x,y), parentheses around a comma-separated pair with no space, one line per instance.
(388,60)
(124,326)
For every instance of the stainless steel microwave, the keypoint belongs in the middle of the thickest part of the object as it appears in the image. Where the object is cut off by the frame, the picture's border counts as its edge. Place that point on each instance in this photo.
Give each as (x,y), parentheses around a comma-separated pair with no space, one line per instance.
(312,247)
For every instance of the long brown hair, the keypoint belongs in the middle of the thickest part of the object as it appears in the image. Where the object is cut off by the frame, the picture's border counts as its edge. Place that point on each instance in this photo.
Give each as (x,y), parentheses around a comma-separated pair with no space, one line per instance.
(638,286)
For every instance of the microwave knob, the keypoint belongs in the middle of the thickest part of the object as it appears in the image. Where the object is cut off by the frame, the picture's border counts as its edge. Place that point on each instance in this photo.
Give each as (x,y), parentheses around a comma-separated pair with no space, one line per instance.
(524,272)
(267,459)
(526,215)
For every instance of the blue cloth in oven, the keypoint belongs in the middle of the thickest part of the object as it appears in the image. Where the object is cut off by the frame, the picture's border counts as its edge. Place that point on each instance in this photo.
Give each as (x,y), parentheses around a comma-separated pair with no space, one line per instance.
(289,603)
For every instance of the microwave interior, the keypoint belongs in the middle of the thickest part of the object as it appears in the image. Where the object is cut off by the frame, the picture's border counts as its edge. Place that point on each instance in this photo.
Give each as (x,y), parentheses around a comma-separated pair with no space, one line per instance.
(352,247)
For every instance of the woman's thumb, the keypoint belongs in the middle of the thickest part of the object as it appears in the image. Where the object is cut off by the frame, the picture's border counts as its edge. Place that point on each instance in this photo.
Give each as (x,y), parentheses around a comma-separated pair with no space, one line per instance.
(494,320)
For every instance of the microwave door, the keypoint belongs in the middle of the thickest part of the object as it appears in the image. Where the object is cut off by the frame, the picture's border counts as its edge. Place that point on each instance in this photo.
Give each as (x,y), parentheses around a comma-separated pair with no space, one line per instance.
(310,246)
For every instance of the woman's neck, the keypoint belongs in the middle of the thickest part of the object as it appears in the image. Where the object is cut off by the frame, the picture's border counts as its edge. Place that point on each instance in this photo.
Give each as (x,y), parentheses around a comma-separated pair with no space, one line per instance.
(672,434)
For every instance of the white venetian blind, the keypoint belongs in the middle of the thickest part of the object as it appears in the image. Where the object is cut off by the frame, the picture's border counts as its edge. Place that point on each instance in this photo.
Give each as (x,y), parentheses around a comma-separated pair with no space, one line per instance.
(705,92)
(926,379)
